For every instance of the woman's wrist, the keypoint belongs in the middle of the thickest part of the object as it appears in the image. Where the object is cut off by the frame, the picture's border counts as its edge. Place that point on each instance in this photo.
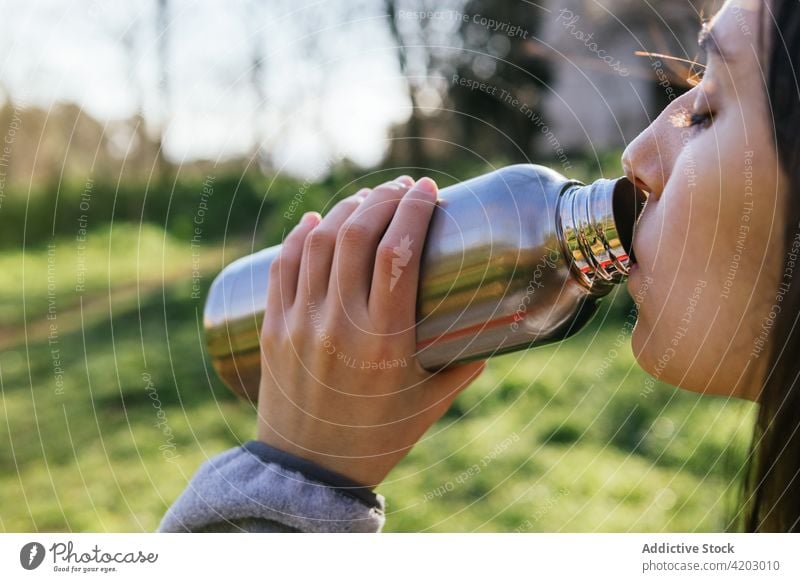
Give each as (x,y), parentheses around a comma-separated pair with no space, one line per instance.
(312,470)
(254,487)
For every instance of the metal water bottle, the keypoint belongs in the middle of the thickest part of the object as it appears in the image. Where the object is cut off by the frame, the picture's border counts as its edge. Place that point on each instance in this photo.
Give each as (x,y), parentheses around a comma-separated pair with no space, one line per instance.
(513,259)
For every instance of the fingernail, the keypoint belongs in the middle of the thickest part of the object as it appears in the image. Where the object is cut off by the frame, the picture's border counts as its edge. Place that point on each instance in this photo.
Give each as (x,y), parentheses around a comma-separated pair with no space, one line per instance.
(427,186)
(309,218)
(405,180)
(361,194)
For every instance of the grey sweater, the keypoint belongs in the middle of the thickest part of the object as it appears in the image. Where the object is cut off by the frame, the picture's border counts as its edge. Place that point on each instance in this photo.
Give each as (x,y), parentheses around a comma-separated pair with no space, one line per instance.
(258,488)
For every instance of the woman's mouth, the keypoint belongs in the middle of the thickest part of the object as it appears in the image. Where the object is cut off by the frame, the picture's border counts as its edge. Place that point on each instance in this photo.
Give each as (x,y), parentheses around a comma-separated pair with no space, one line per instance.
(633,264)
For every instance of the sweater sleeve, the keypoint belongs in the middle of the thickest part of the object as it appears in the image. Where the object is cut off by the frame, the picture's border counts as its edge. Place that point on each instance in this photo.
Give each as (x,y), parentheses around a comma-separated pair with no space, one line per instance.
(258,488)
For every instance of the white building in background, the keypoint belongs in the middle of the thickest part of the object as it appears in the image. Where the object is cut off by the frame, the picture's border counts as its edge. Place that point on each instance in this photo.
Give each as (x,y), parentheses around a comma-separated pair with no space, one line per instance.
(602,95)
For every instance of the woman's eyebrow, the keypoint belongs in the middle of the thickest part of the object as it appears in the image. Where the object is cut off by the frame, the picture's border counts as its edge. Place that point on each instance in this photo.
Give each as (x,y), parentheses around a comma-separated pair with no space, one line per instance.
(708,42)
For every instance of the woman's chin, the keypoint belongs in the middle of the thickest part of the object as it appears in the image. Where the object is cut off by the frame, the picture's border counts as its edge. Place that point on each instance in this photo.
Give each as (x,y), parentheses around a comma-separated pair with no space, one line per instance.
(670,367)
(639,345)
(647,355)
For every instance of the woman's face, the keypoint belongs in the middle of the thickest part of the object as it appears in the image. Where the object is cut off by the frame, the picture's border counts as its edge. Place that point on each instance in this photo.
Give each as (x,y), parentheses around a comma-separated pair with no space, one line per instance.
(709,243)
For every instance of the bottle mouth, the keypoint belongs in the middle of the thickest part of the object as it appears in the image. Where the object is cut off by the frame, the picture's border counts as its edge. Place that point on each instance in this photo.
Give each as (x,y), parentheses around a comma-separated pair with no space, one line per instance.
(627,204)
(597,226)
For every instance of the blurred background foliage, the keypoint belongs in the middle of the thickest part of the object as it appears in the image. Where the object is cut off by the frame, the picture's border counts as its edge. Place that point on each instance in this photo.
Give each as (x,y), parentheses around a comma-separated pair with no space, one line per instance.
(108,401)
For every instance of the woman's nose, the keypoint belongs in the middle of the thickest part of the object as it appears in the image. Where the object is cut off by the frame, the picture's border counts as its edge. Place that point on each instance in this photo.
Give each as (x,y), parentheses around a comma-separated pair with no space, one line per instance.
(648,160)
(646,163)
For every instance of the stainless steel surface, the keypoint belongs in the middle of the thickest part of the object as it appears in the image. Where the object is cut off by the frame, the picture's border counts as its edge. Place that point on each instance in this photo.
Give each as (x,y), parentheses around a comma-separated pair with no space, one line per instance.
(513,259)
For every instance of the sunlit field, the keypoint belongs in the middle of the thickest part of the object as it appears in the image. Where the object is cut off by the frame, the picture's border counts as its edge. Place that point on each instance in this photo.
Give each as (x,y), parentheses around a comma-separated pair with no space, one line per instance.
(109,405)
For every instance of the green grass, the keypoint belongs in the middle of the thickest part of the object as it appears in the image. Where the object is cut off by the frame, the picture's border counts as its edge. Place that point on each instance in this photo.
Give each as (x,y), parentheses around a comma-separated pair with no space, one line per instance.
(540,442)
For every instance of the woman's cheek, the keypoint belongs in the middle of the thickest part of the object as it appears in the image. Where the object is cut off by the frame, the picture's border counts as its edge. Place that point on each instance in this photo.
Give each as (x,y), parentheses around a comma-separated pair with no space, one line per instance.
(639,345)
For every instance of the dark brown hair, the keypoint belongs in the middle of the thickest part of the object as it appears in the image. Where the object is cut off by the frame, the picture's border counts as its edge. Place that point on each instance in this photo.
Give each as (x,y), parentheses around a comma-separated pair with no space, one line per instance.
(772,488)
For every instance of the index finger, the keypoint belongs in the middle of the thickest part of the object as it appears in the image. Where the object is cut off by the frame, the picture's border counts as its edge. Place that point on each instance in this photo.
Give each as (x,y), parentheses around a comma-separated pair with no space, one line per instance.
(393,293)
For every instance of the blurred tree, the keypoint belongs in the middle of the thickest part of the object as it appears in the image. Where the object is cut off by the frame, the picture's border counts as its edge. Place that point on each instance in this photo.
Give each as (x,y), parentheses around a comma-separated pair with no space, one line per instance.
(162,39)
(445,51)
(506,59)
(47,146)
(131,139)
(255,16)
(413,146)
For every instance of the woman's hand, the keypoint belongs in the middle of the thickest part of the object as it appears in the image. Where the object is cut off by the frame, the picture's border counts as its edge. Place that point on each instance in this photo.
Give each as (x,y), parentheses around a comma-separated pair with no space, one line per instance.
(339,382)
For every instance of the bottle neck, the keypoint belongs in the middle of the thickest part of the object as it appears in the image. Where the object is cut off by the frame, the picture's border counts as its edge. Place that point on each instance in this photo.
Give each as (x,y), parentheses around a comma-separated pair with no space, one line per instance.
(595,225)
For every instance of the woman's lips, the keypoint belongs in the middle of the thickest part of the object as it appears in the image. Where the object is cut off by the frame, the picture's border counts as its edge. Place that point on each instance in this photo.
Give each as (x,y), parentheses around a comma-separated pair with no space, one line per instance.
(632,257)
(633,265)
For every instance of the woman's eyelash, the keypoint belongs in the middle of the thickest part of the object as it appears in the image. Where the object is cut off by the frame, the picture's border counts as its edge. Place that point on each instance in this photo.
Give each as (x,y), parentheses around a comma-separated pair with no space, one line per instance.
(700,119)
(684,118)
